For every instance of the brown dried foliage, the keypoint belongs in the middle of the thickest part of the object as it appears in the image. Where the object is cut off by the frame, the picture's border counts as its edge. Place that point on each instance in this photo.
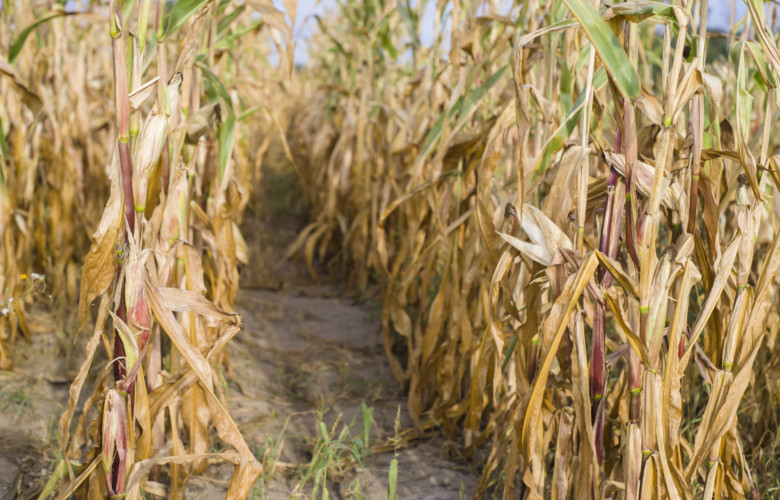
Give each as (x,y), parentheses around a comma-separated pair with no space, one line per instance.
(571,217)
(135,141)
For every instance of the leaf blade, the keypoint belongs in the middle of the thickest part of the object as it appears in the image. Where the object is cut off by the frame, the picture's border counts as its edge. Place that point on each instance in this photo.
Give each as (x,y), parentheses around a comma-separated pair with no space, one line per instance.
(608,47)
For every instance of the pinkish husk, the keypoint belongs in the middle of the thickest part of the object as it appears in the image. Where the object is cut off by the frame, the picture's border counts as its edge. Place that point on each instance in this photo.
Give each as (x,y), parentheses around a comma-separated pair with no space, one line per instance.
(115,435)
(139,317)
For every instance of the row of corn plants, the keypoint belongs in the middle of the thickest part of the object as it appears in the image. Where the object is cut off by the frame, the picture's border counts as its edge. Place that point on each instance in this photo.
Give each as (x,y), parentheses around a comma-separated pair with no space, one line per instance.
(570,210)
(150,112)
(54,124)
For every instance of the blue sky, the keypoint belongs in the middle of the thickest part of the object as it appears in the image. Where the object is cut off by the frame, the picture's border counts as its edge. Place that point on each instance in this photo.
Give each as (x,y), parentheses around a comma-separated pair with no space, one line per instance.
(718,19)
(305,24)
(720,14)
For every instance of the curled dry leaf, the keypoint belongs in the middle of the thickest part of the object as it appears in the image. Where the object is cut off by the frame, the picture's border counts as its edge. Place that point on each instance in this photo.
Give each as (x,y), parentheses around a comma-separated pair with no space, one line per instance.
(100,263)
(179,300)
(247,468)
(30,99)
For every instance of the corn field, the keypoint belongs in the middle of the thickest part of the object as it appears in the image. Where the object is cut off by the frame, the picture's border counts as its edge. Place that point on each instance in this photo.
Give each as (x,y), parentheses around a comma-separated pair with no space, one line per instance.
(129,92)
(565,212)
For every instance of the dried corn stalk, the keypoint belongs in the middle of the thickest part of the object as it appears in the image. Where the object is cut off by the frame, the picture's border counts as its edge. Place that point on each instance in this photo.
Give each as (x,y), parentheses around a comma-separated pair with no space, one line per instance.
(163,259)
(559,175)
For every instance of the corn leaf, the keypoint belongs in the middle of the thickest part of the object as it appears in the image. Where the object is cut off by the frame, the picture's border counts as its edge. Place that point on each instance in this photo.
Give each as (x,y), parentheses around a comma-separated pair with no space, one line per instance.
(181,11)
(607,46)
(16,47)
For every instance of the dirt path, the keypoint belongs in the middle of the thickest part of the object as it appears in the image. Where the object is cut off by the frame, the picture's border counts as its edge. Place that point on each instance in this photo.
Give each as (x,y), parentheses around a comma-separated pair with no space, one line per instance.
(306,358)
(32,398)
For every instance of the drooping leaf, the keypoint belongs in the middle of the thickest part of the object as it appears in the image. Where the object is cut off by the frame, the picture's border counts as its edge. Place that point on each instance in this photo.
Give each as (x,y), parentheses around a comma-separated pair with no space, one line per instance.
(16,47)
(639,10)
(608,47)
(228,124)
(100,263)
(181,11)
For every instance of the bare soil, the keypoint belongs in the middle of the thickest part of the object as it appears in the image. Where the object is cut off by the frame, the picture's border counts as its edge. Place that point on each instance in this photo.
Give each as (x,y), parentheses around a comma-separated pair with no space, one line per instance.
(308,355)
(32,398)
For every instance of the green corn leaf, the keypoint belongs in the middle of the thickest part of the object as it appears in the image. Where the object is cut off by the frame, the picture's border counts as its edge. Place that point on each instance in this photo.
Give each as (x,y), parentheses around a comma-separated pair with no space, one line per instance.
(767,73)
(226,142)
(558,138)
(608,48)
(225,22)
(509,352)
(3,145)
(125,8)
(226,130)
(16,47)
(462,109)
(227,41)
(566,88)
(181,11)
